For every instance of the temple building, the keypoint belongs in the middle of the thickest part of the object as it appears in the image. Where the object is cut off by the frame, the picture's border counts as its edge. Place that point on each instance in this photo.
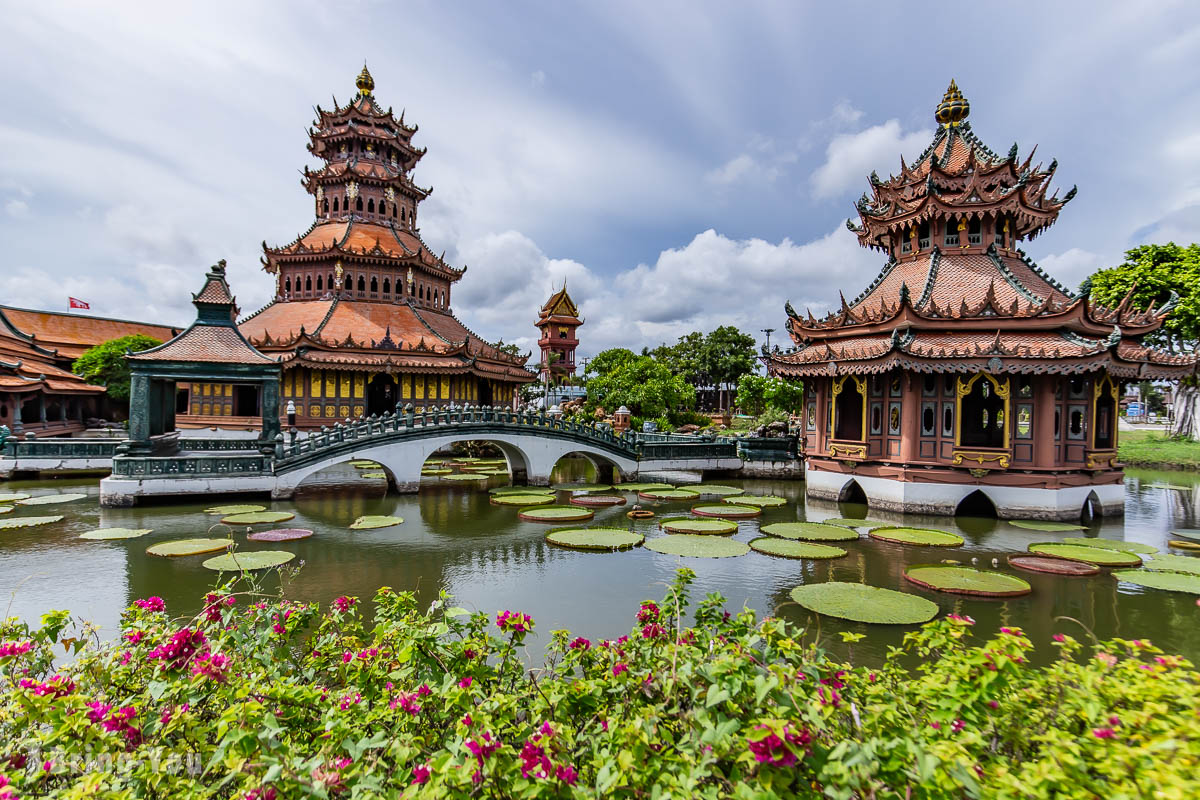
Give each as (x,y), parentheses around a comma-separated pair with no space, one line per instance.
(361,316)
(38,392)
(964,374)
(558,320)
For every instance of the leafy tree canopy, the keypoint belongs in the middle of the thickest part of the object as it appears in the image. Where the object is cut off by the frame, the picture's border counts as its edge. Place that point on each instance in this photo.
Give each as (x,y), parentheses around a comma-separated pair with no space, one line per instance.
(758,393)
(1157,270)
(719,358)
(105,364)
(645,386)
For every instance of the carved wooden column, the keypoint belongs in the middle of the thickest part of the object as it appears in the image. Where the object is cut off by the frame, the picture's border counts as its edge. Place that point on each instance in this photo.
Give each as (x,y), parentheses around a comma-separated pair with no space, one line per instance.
(910,420)
(1045,452)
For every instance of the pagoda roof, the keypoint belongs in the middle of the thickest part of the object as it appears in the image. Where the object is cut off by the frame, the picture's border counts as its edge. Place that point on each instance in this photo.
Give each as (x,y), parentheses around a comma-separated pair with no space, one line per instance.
(25,366)
(367,170)
(362,118)
(364,335)
(354,238)
(70,335)
(213,338)
(559,308)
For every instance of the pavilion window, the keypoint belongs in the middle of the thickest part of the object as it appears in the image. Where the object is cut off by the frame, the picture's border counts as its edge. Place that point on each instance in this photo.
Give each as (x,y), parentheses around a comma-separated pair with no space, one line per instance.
(371,206)
(848,412)
(999,236)
(928,418)
(905,241)
(319,284)
(975,232)
(923,236)
(876,418)
(393,212)
(982,421)
(1025,421)
(387,286)
(325,205)
(329,282)
(362,284)
(374,285)
(421,292)
(335,205)
(287,285)
(1075,422)
(1105,415)
(382,208)
(349,283)
(950,236)
(929,386)
(308,283)
(947,419)
(358,203)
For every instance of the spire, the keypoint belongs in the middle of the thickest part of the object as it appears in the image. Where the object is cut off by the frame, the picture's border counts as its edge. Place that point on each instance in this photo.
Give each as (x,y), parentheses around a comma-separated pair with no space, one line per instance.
(954,108)
(364,82)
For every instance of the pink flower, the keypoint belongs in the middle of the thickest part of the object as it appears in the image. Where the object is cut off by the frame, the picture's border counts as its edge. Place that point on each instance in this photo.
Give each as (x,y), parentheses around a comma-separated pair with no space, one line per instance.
(993,704)
(213,603)
(265,793)
(347,657)
(15,648)
(1058,637)
(344,604)
(514,622)
(180,648)
(133,638)
(958,725)
(406,702)
(534,761)
(466,720)
(1106,658)
(368,653)
(212,666)
(421,773)
(546,729)
(960,619)
(580,643)
(619,668)
(567,774)
(98,711)
(465,683)
(1011,631)
(777,752)
(652,631)
(423,690)
(1104,733)
(482,748)
(155,603)
(57,686)
(126,657)
(648,613)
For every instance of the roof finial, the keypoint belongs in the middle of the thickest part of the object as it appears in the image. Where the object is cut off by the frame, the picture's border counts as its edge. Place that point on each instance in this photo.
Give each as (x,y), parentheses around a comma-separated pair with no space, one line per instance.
(954,108)
(364,82)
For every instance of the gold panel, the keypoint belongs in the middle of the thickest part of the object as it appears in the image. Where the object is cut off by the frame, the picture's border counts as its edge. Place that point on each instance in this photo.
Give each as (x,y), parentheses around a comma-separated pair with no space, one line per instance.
(848,451)
(360,384)
(419,387)
(206,409)
(445,387)
(229,390)
(195,408)
(982,458)
(331,411)
(315,392)
(330,384)
(205,389)
(358,411)
(343,411)
(314,410)
(345,385)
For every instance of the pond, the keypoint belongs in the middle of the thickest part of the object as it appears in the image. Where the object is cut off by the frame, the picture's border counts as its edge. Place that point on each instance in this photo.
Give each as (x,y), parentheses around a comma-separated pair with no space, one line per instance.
(454,539)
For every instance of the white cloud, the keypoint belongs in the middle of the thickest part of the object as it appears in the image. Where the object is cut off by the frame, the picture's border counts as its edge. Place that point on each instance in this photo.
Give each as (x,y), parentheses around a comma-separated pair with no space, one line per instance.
(537,79)
(850,157)
(732,171)
(1072,266)
(150,292)
(16,208)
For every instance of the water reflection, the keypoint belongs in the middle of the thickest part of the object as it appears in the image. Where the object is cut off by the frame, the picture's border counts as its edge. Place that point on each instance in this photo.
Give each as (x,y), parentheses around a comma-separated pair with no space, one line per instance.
(453,539)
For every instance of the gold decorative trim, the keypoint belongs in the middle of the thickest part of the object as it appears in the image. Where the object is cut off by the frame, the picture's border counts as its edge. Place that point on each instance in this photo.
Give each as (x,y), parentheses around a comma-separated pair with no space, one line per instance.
(1001,460)
(963,388)
(1102,459)
(848,451)
(835,391)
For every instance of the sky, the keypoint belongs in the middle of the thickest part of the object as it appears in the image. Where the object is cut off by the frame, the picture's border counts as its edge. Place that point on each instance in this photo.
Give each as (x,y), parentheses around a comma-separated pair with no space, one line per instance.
(681,165)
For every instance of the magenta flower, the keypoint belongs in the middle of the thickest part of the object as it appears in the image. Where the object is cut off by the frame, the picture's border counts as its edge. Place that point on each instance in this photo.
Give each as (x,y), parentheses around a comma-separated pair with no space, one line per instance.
(957,725)
(652,631)
(265,793)
(1058,637)
(648,613)
(514,622)
(960,619)
(344,604)
(1104,733)
(776,751)
(405,702)
(155,603)
(466,720)
(482,748)
(213,603)
(423,690)
(15,648)
(465,683)
(98,711)
(421,773)
(180,648)
(534,761)
(567,774)
(580,643)
(619,668)
(213,666)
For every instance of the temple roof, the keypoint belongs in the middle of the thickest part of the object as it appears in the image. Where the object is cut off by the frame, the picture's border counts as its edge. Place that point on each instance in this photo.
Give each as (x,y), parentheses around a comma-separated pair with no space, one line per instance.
(355,238)
(351,334)
(560,307)
(69,335)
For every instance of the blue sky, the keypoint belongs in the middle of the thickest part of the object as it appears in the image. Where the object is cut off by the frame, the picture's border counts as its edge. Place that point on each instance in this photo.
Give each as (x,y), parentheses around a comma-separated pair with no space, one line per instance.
(682,165)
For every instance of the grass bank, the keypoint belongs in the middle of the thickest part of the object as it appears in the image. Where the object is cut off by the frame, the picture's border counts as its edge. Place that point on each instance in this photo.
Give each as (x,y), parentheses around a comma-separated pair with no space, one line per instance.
(1154,449)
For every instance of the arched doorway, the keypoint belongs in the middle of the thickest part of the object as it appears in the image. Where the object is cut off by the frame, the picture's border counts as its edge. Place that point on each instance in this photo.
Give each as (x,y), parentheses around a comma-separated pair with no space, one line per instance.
(983,414)
(976,504)
(852,493)
(485,393)
(381,395)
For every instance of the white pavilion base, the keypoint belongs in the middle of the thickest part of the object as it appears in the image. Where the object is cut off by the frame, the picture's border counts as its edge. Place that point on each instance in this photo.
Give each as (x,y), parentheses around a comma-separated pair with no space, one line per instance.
(1011,502)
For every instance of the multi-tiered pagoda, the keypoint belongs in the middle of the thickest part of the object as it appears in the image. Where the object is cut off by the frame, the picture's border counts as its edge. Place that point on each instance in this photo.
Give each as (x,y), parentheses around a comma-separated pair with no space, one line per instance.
(964,367)
(558,320)
(361,313)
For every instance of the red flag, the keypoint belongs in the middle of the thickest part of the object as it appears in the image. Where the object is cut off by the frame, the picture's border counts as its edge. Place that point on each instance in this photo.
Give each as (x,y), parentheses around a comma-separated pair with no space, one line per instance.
(77,303)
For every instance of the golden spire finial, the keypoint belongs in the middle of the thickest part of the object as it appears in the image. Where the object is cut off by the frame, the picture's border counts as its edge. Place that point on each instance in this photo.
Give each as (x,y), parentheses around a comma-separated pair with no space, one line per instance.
(364,82)
(954,108)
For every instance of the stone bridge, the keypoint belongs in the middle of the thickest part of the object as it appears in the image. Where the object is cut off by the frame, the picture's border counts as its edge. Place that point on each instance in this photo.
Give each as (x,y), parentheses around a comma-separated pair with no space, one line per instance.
(531,443)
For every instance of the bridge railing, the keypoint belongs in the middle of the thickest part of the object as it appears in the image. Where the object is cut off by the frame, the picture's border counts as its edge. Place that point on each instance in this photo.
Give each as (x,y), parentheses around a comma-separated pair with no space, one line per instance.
(217,445)
(676,450)
(191,466)
(784,448)
(61,448)
(484,419)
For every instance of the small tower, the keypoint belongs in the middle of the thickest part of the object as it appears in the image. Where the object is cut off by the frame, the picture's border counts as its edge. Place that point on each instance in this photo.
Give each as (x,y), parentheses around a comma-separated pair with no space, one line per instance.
(557,320)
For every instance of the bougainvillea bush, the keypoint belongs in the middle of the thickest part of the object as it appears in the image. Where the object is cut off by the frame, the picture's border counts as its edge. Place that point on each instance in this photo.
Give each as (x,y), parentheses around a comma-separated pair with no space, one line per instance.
(261,697)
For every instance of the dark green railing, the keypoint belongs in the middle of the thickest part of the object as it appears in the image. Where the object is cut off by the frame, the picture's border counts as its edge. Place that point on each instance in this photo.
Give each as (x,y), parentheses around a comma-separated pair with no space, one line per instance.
(191,466)
(61,448)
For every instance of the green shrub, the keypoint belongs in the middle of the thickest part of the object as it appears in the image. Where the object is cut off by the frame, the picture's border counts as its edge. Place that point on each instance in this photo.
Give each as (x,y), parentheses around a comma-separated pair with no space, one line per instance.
(263,697)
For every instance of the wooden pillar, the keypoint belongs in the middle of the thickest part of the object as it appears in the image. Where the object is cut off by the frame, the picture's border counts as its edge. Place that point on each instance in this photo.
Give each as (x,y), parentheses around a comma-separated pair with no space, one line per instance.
(42,407)
(1045,453)
(910,419)
(270,410)
(139,408)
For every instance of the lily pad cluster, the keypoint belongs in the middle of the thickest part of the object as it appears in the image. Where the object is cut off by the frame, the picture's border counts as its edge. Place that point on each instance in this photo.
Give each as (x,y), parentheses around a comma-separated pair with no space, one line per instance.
(698,526)
(792,548)
(861,603)
(966,580)
(921,537)
(697,546)
(810,531)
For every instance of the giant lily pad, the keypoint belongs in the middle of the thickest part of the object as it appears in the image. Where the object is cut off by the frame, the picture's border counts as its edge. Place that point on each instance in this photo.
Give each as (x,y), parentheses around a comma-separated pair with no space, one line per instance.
(582,487)
(51,499)
(1113,544)
(1170,581)
(686,544)
(465,460)
(370,523)
(465,476)
(594,538)
(811,531)
(598,500)
(1187,533)
(495,472)
(861,603)
(718,489)
(115,533)
(966,580)
(854,523)
(1169,563)
(258,517)
(1183,544)
(698,526)
(364,464)
(522,490)
(1053,566)
(373,476)
(642,487)
(12,497)
(436,471)
(790,548)
(759,500)
(280,535)
(234,509)
(244,562)
(922,537)
(669,494)
(521,499)
(727,510)
(188,547)
(28,522)
(1092,555)
(1045,525)
(555,514)
(6,509)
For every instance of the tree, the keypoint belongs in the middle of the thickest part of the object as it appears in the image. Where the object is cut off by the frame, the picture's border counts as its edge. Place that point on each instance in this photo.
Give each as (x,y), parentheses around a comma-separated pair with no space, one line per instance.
(1153,272)
(105,364)
(757,393)
(685,358)
(727,355)
(642,384)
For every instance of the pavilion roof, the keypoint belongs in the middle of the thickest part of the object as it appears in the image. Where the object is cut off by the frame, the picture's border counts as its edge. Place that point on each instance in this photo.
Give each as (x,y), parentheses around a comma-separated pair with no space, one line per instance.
(357,239)
(560,306)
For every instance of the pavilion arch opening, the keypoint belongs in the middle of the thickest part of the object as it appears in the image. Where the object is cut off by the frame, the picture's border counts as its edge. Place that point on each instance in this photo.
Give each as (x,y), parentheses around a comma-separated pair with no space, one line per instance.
(852,493)
(976,504)
(1092,509)
(849,409)
(580,467)
(330,488)
(983,414)
(515,460)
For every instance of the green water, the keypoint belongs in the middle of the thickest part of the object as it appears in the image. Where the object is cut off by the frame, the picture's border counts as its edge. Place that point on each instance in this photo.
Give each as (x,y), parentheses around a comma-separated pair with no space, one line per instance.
(454,539)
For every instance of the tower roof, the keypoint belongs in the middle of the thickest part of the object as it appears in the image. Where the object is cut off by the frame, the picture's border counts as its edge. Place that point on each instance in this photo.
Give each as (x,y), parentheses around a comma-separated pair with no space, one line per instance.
(560,304)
